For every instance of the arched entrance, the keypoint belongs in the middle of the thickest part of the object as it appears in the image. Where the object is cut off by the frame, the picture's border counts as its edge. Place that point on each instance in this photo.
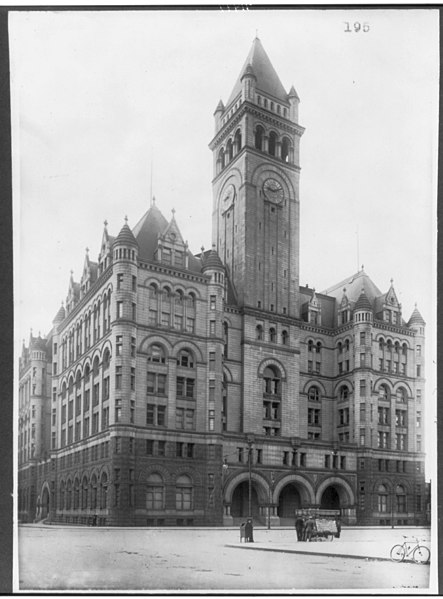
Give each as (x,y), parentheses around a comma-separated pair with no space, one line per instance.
(330,498)
(288,501)
(240,501)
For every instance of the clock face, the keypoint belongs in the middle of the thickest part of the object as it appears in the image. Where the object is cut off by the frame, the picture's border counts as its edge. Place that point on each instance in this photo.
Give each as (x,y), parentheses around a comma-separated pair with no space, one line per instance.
(228,197)
(273,191)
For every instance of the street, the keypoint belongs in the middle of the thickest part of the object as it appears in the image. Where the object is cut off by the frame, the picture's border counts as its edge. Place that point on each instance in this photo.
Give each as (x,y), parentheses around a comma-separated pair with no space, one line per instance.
(82,558)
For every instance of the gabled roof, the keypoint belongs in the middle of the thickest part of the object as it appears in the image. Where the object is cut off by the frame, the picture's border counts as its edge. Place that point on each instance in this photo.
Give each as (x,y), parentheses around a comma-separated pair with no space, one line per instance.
(268,81)
(354,285)
(146,232)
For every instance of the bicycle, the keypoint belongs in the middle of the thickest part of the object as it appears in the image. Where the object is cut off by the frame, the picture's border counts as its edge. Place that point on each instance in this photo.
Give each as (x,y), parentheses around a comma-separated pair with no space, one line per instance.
(410,548)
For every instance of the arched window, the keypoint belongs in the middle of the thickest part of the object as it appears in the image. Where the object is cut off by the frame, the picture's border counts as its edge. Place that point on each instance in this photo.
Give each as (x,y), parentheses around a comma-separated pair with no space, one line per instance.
(382,498)
(76,493)
(237,141)
(346,344)
(401,395)
(87,373)
(229,150)
(389,345)
(103,491)
(272,381)
(69,495)
(344,392)
(183,493)
(404,349)
(397,347)
(106,359)
(221,159)
(78,382)
(62,495)
(166,295)
(400,499)
(314,394)
(179,297)
(153,289)
(340,347)
(85,493)
(94,492)
(155,492)
(381,343)
(225,339)
(272,335)
(70,385)
(185,359)
(384,393)
(284,337)
(191,300)
(310,345)
(318,347)
(259,332)
(272,143)
(95,367)
(259,133)
(156,353)
(285,149)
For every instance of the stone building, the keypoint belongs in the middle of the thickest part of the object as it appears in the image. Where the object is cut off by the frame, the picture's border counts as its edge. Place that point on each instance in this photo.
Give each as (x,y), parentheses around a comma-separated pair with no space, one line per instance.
(192,390)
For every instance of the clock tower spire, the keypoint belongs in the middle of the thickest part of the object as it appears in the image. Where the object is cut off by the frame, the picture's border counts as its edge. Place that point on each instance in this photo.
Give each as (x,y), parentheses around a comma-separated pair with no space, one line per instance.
(256,187)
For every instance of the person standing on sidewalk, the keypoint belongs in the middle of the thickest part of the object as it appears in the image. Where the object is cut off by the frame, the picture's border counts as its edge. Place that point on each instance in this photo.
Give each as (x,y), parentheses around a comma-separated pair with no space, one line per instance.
(338,525)
(299,526)
(249,538)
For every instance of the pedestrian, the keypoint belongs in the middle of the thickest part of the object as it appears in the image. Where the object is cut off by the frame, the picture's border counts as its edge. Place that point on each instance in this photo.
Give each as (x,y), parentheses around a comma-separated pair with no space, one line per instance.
(308,529)
(299,526)
(249,538)
(338,525)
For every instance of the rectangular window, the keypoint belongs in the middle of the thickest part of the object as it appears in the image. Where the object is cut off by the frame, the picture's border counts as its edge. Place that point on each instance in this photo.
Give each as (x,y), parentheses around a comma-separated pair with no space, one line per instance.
(161,415)
(418,395)
(178,258)
(211,419)
(190,450)
(133,347)
(212,302)
(120,277)
(161,448)
(309,365)
(119,309)
(189,419)
(179,418)
(95,394)
(165,319)
(418,420)
(152,317)
(212,328)
(418,349)
(418,370)
(178,321)
(149,447)
(362,338)
(179,449)
(134,311)
(118,345)
(211,361)
(105,388)
(362,360)
(362,436)
(131,444)
(211,390)
(185,387)
(117,444)
(327,461)
(150,414)
(134,283)
(317,367)
(132,379)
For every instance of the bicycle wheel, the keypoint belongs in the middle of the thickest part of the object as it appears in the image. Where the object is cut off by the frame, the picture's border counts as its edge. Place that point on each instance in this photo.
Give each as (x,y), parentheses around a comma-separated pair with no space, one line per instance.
(398,553)
(421,555)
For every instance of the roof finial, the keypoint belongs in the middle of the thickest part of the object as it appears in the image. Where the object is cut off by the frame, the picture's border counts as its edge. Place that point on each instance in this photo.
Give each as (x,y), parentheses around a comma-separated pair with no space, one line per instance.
(344,289)
(126,219)
(153,201)
(105,222)
(173,212)
(415,305)
(256,34)
(202,248)
(362,266)
(87,250)
(392,280)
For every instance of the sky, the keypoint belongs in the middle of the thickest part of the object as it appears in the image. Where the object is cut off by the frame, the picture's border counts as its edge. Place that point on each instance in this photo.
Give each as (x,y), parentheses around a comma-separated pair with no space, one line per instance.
(107,106)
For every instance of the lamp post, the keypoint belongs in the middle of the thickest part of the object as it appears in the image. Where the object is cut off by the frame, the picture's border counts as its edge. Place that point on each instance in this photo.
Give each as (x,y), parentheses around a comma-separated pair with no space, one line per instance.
(271,491)
(250,444)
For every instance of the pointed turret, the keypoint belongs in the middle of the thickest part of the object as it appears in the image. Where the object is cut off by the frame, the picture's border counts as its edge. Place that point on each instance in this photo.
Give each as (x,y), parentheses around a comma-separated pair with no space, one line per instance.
(125,237)
(266,79)
(218,114)
(211,260)
(416,319)
(60,316)
(363,303)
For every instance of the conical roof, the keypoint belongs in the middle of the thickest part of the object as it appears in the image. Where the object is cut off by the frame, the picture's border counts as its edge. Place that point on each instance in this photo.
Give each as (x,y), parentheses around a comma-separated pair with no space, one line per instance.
(363,302)
(125,237)
(268,81)
(212,260)
(416,318)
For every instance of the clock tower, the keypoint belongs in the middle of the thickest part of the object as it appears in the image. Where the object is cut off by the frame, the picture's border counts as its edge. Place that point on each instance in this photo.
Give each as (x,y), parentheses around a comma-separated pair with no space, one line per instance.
(256,188)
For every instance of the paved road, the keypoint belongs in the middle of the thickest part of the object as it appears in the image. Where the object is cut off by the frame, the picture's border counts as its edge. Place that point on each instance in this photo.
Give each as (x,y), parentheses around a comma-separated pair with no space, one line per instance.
(75,558)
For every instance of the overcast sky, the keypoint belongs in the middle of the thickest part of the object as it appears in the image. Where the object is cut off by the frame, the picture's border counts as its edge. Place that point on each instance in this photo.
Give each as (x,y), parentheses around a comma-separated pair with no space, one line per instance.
(97,97)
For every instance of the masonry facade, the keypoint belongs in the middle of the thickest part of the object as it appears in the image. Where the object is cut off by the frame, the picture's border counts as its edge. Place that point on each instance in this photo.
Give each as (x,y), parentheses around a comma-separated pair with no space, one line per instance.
(192,390)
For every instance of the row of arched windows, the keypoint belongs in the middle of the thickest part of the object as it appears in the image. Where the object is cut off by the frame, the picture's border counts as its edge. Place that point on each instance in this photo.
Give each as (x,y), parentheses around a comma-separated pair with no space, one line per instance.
(91,493)
(272,335)
(273,144)
(229,151)
(90,327)
(314,393)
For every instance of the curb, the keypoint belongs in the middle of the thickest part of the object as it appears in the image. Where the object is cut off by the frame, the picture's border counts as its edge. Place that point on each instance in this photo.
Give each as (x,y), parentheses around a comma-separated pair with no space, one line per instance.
(322,553)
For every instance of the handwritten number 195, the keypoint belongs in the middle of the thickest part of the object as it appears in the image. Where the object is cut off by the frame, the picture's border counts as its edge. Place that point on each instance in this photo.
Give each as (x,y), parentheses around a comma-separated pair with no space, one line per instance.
(356,27)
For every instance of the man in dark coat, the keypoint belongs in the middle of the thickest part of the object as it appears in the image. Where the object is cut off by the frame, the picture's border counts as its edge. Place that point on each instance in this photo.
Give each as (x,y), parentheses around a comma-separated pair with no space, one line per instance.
(308,530)
(338,525)
(249,531)
(299,526)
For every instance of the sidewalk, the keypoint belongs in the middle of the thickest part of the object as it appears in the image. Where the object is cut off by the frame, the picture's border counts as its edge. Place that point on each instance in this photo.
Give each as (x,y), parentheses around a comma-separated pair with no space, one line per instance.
(355,544)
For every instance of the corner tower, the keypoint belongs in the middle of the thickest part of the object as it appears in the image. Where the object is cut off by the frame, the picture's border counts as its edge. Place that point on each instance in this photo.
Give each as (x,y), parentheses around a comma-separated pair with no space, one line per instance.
(256,187)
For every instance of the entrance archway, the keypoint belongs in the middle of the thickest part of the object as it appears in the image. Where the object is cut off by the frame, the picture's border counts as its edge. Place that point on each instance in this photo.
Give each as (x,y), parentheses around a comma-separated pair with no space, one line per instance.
(240,501)
(330,498)
(289,500)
